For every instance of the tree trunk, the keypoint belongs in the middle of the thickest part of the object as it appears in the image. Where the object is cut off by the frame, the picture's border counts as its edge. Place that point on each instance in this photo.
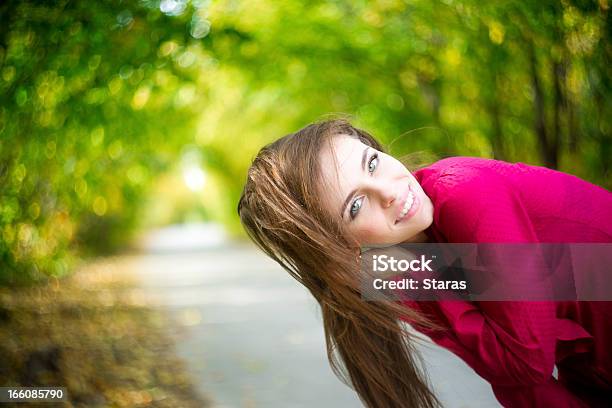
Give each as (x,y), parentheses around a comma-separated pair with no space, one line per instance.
(539,118)
(558,73)
(497,136)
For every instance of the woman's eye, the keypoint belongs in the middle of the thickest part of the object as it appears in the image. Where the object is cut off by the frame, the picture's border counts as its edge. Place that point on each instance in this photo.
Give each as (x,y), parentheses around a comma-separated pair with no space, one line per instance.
(355,207)
(373,163)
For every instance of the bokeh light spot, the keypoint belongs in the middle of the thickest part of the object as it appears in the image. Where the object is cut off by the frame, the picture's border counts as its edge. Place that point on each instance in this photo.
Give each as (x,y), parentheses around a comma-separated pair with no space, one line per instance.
(100,206)
(194,177)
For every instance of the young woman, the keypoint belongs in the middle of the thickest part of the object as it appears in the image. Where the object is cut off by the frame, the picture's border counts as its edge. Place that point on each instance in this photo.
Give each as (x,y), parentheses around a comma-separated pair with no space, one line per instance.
(314,197)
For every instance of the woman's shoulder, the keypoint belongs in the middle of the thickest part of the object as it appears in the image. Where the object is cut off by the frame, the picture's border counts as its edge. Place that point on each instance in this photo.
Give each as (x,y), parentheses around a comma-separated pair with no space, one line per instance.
(455,174)
(501,200)
(463,161)
(475,199)
(463,173)
(467,167)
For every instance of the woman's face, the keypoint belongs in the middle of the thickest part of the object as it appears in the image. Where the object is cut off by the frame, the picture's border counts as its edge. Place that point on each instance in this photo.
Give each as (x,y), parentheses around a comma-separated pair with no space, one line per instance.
(378,199)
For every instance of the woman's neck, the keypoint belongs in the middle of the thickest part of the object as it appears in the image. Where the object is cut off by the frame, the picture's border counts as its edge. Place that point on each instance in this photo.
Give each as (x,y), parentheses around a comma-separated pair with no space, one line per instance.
(421,237)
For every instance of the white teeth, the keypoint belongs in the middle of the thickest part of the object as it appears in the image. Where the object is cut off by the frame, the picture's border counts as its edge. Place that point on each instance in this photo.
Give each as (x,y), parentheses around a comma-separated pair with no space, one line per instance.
(407,205)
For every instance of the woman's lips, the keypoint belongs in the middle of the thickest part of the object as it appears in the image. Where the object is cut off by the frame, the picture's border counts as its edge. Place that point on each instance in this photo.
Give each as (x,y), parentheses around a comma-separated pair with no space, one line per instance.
(413,208)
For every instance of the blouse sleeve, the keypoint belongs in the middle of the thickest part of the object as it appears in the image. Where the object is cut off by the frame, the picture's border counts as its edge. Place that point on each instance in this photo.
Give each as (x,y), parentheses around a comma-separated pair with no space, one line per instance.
(508,343)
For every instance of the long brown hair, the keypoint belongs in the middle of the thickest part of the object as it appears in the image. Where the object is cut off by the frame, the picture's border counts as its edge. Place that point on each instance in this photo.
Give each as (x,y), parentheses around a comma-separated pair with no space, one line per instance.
(281,211)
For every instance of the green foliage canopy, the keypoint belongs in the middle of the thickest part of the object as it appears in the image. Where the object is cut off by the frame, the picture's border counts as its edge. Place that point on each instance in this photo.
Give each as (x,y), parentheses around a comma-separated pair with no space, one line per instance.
(100,99)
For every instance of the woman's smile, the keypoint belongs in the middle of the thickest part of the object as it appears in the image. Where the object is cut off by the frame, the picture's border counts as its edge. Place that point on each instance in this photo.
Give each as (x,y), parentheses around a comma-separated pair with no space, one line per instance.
(409,208)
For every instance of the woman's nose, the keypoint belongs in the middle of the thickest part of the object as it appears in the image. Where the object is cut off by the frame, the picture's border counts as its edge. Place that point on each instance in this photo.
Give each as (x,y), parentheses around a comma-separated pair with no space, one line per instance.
(385,193)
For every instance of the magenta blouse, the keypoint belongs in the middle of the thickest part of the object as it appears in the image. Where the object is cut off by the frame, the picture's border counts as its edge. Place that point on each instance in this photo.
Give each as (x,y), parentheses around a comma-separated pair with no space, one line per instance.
(515,345)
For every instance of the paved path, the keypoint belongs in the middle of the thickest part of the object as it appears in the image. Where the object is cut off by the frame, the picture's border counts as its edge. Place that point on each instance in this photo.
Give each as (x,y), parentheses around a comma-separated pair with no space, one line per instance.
(254,337)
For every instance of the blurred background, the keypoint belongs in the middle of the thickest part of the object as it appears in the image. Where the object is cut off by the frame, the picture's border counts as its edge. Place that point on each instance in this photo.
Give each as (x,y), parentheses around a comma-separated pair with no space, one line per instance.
(127,127)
